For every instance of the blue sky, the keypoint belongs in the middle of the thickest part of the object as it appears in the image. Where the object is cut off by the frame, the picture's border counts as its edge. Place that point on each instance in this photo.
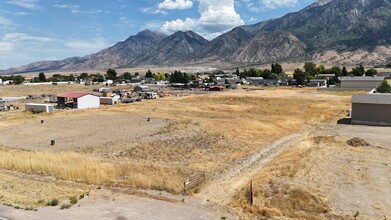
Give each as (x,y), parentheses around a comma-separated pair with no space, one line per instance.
(36,30)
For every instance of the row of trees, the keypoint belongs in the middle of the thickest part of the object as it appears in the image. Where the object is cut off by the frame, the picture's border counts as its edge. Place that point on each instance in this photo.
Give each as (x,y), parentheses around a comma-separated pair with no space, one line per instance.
(276,72)
(181,77)
(311,70)
(18,79)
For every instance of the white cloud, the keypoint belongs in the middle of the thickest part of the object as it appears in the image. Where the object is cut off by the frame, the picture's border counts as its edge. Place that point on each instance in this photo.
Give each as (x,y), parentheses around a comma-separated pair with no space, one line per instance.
(216,17)
(27,4)
(153,10)
(16,37)
(97,44)
(4,21)
(278,3)
(176,4)
(94,11)
(6,47)
(66,6)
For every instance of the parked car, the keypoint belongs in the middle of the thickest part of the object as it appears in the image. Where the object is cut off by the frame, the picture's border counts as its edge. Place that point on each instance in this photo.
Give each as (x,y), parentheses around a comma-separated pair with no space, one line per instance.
(128,100)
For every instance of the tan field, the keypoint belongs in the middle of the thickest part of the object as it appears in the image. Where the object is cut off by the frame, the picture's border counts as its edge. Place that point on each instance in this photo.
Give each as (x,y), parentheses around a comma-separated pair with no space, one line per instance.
(231,136)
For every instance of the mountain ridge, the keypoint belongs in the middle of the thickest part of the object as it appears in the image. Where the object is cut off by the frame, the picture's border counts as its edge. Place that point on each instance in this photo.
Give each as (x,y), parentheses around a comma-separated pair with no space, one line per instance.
(341,26)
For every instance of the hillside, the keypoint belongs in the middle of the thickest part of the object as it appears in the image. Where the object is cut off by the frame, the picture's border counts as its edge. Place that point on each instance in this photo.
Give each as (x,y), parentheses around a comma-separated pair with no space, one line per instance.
(330,31)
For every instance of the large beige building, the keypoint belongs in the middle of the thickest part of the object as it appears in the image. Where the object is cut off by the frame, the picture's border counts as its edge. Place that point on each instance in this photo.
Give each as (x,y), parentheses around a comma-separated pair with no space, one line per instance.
(361,82)
(371,109)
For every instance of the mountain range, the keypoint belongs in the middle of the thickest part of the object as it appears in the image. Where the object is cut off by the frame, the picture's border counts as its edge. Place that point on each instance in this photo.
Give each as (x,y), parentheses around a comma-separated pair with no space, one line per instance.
(330,31)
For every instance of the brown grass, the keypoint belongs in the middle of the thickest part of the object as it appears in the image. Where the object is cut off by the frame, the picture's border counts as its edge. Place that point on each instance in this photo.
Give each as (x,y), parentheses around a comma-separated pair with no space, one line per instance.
(83,169)
(209,132)
(275,195)
(24,90)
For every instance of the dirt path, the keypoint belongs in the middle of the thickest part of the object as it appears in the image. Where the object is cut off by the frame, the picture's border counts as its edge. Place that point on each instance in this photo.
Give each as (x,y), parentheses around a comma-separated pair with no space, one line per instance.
(222,189)
(121,208)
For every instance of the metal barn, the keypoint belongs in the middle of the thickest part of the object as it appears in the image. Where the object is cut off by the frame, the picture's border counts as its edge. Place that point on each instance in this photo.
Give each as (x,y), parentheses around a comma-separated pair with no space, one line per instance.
(78,100)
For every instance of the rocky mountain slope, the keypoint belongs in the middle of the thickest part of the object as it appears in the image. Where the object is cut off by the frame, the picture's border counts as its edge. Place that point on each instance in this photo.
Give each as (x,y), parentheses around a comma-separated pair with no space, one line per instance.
(329,30)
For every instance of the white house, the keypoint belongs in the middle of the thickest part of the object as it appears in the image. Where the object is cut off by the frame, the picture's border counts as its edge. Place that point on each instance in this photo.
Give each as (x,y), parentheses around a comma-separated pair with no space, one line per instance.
(78,100)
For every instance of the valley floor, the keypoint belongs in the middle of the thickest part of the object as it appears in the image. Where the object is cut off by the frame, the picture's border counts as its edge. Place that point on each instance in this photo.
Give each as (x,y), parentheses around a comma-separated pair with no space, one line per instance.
(286,140)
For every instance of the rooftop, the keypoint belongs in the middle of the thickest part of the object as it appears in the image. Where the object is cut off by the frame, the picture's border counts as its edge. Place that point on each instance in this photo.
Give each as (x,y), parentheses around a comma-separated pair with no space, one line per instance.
(380,99)
(362,78)
(72,95)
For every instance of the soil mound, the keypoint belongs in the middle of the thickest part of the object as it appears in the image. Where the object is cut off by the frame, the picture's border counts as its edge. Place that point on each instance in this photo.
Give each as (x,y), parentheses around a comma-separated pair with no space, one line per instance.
(357,142)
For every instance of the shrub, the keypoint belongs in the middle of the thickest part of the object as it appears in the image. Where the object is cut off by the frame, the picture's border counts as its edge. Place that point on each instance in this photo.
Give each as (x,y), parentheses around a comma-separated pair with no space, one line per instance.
(53,202)
(66,206)
(73,200)
(384,87)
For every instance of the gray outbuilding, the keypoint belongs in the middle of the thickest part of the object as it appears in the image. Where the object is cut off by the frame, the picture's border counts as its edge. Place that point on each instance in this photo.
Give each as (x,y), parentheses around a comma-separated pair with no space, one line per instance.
(361,82)
(371,109)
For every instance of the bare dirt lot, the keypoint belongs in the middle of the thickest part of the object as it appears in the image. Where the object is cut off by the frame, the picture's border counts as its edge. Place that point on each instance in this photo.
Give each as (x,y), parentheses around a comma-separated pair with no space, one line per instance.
(268,135)
(86,129)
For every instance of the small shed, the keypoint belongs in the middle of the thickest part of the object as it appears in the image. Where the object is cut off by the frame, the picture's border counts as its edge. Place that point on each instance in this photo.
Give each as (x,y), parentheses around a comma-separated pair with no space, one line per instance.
(39,108)
(108,101)
(361,82)
(371,109)
(78,100)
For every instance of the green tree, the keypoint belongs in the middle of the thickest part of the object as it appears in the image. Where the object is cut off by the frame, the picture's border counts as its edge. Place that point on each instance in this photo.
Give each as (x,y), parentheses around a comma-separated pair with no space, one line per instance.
(193,76)
(266,74)
(384,87)
(279,68)
(237,72)
(111,74)
(166,76)
(84,76)
(320,69)
(273,76)
(18,79)
(371,72)
(336,70)
(254,72)
(42,77)
(299,76)
(71,78)
(344,71)
(149,74)
(310,68)
(244,74)
(127,76)
(358,71)
(274,68)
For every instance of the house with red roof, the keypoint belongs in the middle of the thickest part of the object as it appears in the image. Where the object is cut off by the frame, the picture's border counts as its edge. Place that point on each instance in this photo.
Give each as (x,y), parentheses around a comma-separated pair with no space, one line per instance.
(78,100)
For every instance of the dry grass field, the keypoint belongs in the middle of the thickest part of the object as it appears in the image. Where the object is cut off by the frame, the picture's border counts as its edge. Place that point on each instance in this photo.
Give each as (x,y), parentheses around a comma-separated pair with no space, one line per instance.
(24,90)
(322,177)
(115,146)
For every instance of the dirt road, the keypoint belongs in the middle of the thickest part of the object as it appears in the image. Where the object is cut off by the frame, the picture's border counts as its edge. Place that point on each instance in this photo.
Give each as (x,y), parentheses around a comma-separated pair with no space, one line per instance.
(130,208)
(222,189)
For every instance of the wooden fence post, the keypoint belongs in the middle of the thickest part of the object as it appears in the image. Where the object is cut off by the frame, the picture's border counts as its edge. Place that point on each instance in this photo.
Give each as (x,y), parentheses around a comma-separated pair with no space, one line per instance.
(251,192)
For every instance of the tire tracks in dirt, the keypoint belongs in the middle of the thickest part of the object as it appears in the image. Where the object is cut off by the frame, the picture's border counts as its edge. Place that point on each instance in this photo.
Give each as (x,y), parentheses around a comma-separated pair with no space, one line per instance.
(222,189)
